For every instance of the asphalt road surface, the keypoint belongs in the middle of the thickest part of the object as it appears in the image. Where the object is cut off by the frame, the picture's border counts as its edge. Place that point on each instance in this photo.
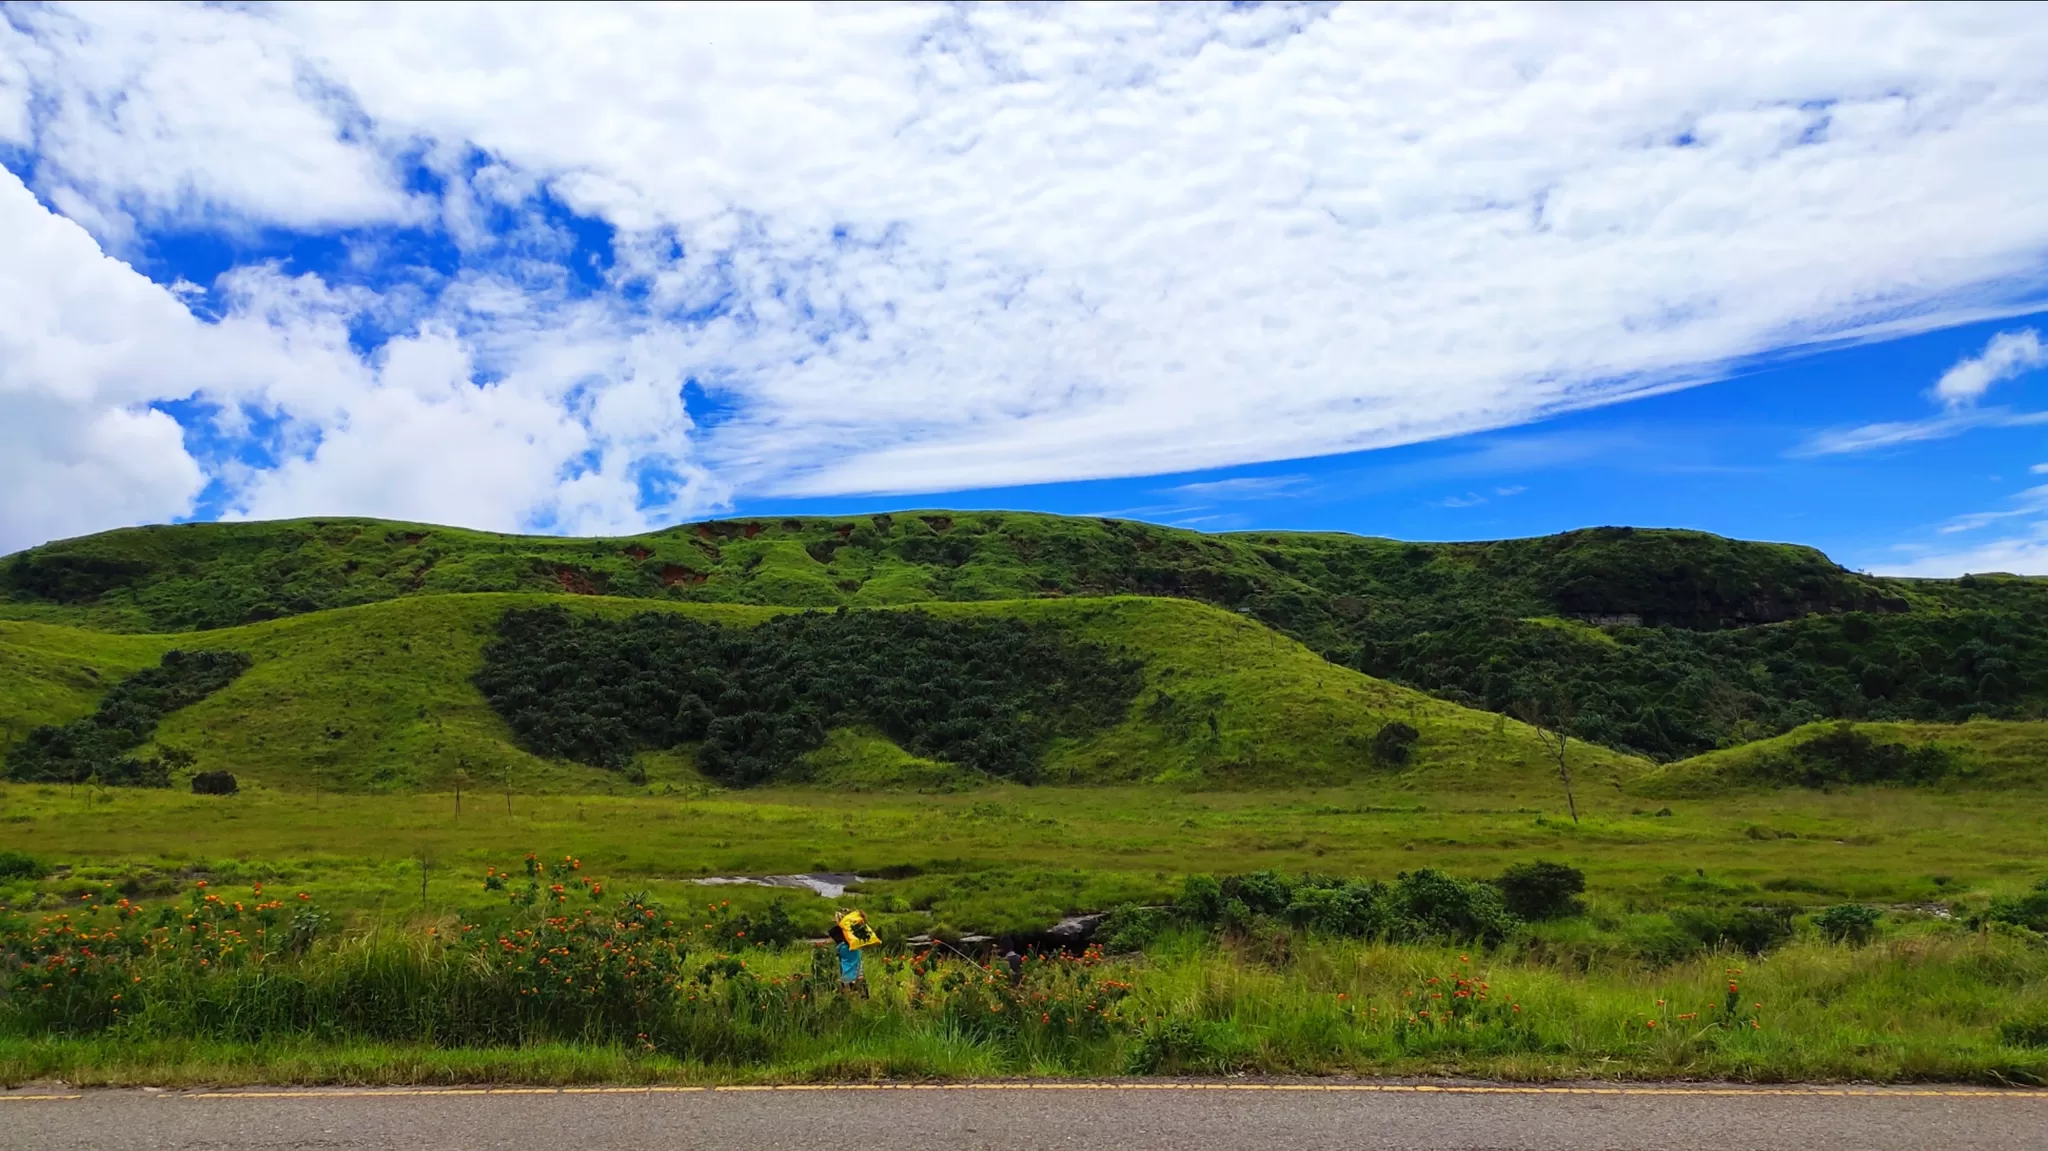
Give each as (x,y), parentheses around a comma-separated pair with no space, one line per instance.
(1228,1116)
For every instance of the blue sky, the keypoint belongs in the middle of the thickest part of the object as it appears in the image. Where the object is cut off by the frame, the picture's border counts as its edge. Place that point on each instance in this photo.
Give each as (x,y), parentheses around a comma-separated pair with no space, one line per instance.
(1430,273)
(1735,457)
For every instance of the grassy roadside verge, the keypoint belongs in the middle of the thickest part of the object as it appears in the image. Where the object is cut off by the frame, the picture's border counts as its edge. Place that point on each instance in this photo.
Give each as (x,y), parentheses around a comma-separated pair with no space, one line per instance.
(552,995)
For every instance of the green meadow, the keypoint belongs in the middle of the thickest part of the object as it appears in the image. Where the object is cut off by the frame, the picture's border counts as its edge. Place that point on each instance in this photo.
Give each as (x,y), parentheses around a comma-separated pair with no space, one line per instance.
(1859,854)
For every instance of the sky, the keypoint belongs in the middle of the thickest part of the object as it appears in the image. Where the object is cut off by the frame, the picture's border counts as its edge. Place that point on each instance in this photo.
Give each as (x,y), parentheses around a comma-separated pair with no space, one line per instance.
(1774,271)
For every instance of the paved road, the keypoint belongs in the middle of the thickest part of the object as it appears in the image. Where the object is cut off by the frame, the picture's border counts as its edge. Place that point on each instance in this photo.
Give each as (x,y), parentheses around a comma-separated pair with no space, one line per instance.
(1124,1117)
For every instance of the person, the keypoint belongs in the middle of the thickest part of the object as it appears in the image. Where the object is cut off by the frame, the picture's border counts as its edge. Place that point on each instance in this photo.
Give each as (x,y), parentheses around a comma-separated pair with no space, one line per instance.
(851,978)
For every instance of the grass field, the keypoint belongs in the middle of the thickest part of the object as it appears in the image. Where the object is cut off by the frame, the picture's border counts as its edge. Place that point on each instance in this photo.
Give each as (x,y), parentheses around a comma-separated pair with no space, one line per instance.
(1927,999)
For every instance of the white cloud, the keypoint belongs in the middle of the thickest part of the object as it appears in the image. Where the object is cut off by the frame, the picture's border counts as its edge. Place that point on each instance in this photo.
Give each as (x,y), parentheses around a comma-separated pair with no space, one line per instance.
(2017,555)
(2008,356)
(2039,469)
(85,344)
(914,249)
(1243,488)
(1891,434)
(577,407)
(2033,501)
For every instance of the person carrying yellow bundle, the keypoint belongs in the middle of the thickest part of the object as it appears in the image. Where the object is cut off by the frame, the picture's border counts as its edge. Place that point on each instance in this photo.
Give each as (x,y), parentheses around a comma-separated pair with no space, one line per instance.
(851,933)
(858,933)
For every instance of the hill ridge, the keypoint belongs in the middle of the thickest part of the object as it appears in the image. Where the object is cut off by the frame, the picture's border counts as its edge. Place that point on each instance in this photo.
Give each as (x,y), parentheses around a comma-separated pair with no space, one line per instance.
(1691,641)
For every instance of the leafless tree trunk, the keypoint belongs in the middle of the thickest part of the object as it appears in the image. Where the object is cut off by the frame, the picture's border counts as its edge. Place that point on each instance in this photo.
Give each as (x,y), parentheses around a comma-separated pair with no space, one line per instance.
(1549,724)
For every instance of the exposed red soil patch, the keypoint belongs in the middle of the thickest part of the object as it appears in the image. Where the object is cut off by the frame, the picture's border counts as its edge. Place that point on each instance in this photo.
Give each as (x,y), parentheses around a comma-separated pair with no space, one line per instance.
(676,575)
(938,523)
(412,539)
(638,552)
(580,581)
(843,530)
(750,530)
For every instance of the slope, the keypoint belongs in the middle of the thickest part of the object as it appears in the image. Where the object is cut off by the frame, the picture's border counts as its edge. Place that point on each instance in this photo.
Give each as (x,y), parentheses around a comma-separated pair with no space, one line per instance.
(1980,753)
(379,697)
(1667,643)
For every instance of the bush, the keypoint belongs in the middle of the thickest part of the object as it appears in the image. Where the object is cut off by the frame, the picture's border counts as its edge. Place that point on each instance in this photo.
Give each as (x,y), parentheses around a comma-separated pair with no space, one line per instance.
(1201,899)
(2025,1030)
(1434,905)
(95,747)
(2029,910)
(1844,755)
(214,783)
(1851,923)
(1752,929)
(1421,905)
(18,865)
(1541,890)
(987,694)
(1394,744)
(1133,928)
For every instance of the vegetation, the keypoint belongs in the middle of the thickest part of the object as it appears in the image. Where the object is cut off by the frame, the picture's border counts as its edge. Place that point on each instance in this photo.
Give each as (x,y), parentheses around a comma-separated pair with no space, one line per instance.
(987,694)
(96,746)
(1768,819)
(384,697)
(1669,643)
(605,984)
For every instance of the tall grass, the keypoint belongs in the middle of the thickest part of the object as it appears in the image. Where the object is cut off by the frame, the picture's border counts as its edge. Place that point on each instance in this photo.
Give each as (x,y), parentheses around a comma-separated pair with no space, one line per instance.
(578,986)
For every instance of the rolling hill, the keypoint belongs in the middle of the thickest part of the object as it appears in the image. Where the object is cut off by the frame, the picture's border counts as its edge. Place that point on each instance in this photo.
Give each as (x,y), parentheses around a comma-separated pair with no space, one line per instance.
(1663,645)
(381,697)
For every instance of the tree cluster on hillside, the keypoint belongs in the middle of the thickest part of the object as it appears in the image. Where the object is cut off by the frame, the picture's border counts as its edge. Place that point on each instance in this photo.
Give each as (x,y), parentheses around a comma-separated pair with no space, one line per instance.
(1668,642)
(988,694)
(97,747)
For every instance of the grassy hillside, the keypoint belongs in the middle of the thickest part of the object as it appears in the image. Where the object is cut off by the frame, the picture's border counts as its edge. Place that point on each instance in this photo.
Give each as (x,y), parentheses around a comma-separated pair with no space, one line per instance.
(1982,752)
(379,697)
(1664,643)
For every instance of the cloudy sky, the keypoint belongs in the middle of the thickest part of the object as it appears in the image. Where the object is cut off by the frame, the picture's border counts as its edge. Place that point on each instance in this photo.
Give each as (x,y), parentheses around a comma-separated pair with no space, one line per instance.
(1423,271)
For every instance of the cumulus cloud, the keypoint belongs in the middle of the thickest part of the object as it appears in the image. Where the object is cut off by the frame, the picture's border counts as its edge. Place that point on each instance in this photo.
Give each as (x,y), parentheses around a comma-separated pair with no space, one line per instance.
(926,248)
(85,345)
(569,419)
(2008,356)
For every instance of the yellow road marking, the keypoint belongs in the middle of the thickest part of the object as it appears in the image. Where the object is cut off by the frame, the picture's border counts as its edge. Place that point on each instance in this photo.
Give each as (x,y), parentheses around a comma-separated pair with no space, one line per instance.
(1335,1088)
(33,1098)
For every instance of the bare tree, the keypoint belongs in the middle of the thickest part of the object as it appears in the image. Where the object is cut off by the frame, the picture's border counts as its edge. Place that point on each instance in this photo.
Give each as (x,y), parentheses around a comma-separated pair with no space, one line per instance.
(1549,712)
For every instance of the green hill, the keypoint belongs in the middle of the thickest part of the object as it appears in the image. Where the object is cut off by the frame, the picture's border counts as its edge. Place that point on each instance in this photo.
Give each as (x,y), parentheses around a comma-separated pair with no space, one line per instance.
(1665,644)
(380,697)
(1982,753)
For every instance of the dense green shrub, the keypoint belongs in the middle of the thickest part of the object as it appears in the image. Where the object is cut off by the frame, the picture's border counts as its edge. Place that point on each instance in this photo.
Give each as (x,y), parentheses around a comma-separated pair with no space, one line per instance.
(1752,929)
(1843,755)
(19,865)
(215,783)
(96,746)
(1418,905)
(988,694)
(1852,923)
(1394,744)
(2029,1030)
(2028,910)
(1542,890)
